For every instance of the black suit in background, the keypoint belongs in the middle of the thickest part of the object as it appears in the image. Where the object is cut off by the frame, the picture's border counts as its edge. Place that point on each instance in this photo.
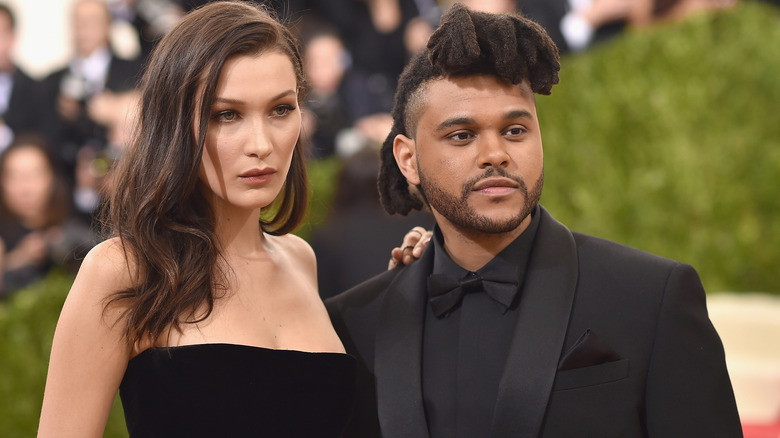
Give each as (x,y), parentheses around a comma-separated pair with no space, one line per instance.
(351,244)
(25,105)
(69,136)
(610,342)
(550,13)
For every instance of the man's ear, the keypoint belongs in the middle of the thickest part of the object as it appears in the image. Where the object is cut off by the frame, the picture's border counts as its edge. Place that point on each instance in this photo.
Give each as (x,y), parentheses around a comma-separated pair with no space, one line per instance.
(405,152)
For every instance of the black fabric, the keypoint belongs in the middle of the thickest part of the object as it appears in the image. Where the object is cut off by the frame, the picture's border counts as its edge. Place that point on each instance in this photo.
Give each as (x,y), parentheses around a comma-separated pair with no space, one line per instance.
(229,390)
(500,278)
(70,136)
(671,381)
(25,104)
(464,351)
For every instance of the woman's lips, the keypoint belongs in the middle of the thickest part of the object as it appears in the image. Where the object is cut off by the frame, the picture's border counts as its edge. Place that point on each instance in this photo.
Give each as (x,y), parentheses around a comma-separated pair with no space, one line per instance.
(257,176)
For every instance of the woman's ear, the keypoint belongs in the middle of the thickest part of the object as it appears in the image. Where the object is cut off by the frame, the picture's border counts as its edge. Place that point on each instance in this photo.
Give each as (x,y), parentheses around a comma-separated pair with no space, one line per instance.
(405,152)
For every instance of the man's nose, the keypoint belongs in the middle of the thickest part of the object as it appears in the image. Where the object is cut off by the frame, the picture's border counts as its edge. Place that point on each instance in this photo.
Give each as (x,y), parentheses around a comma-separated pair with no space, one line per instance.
(492,151)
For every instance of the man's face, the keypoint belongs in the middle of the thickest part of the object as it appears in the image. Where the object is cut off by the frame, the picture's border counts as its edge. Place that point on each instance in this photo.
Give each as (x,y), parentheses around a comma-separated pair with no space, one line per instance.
(91,26)
(476,153)
(6,41)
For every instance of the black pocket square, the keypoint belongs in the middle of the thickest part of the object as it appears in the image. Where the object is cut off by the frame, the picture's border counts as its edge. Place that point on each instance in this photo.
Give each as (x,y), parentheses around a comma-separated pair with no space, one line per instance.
(587,351)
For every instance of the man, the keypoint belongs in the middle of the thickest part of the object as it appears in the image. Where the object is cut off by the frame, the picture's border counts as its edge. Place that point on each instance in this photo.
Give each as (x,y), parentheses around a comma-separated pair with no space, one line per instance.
(94,74)
(511,325)
(20,95)
(87,99)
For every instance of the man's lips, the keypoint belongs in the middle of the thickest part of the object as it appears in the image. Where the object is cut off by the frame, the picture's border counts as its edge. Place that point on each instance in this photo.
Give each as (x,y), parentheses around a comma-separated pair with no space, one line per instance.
(495,184)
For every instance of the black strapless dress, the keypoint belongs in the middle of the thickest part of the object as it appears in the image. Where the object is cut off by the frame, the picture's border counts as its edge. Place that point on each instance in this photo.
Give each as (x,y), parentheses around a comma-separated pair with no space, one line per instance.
(228,390)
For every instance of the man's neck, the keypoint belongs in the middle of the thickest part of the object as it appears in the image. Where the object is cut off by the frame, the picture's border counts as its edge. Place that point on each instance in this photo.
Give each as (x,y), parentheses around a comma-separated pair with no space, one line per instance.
(471,249)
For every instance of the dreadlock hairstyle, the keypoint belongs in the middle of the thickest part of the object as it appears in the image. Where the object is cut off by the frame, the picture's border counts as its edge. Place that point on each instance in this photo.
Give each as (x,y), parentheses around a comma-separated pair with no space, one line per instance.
(508,46)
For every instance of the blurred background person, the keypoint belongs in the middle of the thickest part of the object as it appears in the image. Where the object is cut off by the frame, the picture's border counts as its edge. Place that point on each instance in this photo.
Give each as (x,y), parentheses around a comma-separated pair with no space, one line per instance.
(375,34)
(20,95)
(351,244)
(648,12)
(326,106)
(37,228)
(150,19)
(82,95)
(576,25)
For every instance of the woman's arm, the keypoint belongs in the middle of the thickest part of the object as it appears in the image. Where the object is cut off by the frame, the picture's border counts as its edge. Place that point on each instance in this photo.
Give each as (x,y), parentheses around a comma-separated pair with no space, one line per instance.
(89,355)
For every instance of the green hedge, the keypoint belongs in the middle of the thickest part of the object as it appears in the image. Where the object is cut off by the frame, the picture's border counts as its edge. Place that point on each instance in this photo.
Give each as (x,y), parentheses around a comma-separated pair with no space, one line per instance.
(27,324)
(667,140)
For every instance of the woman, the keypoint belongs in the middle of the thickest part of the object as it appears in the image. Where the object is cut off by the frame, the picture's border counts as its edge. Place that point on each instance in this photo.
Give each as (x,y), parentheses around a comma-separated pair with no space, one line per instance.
(37,228)
(201,308)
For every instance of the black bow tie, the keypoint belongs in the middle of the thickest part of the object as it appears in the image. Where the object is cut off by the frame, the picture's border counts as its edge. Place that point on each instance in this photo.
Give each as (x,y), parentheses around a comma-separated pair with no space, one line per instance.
(446,291)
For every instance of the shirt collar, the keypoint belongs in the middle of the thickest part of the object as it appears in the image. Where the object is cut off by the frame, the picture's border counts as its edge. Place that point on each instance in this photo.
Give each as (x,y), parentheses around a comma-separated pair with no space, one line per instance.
(514,257)
(93,68)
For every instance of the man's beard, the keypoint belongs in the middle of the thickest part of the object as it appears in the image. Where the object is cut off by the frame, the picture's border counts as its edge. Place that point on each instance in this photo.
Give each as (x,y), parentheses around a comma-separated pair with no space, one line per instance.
(460,213)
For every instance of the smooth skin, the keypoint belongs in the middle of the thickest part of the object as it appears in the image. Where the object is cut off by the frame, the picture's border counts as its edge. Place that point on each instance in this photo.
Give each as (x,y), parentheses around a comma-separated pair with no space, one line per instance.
(272,300)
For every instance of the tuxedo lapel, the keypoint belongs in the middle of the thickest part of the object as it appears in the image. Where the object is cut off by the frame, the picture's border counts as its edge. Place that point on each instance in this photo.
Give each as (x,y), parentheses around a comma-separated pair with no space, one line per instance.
(536,346)
(398,356)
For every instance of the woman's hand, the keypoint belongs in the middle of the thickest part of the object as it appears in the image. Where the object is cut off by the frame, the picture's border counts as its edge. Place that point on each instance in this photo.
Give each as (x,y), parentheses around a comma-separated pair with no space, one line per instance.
(411,248)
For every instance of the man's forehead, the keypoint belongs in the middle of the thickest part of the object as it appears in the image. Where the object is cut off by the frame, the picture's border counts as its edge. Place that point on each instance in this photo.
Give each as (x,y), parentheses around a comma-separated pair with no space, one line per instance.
(480,82)
(442,96)
(448,94)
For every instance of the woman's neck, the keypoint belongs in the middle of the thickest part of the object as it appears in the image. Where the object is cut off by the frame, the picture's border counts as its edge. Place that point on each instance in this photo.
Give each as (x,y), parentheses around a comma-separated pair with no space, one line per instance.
(239,232)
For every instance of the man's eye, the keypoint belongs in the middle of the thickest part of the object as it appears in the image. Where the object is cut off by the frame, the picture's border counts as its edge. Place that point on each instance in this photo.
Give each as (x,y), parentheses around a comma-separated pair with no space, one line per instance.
(516,131)
(460,136)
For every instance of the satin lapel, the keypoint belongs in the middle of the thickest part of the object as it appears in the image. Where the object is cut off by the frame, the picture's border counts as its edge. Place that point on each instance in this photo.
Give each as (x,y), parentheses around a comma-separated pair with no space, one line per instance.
(545,308)
(398,356)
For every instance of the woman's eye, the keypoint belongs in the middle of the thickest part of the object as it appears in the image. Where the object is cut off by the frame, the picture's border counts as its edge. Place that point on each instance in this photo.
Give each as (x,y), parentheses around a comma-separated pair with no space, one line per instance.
(226,116)
(282,110)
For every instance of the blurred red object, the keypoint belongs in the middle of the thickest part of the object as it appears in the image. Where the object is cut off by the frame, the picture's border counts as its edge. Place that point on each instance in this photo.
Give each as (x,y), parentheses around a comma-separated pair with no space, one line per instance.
(761,430)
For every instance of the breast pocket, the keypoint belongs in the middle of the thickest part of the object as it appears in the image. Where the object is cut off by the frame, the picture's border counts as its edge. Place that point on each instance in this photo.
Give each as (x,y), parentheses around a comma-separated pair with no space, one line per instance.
(593,375)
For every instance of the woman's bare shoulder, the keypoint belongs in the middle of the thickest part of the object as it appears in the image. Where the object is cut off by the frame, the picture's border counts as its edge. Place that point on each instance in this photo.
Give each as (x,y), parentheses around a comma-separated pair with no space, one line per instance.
(107,268)
(295,246)
(298,252)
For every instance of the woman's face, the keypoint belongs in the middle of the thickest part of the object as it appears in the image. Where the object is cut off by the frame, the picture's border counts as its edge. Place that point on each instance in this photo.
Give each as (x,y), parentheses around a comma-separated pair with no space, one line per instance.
(253,127)
(27,182)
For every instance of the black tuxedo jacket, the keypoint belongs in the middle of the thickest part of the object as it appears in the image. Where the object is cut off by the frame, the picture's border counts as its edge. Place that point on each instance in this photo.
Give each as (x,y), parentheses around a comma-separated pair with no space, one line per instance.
(123,75)
(25,105)
(610,342)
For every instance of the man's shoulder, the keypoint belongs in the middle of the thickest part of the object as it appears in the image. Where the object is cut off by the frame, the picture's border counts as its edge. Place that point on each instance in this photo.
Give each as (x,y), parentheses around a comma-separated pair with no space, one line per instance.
(611,252)
(602,259)
(365,293)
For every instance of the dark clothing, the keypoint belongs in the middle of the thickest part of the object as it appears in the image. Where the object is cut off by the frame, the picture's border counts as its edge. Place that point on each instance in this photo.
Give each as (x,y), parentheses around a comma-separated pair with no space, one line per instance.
(344,256)
(25,105)
(229,390)
(377,58)
(464,351)
(74,241)
(71,135)
(610,341)
(549,13)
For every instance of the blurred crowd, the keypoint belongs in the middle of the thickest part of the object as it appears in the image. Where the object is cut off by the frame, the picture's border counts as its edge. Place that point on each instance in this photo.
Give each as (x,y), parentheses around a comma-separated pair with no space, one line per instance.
(60,134)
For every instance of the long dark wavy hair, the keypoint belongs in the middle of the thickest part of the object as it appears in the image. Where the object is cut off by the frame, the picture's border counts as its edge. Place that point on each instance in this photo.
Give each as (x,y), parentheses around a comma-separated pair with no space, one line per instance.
(156,204)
